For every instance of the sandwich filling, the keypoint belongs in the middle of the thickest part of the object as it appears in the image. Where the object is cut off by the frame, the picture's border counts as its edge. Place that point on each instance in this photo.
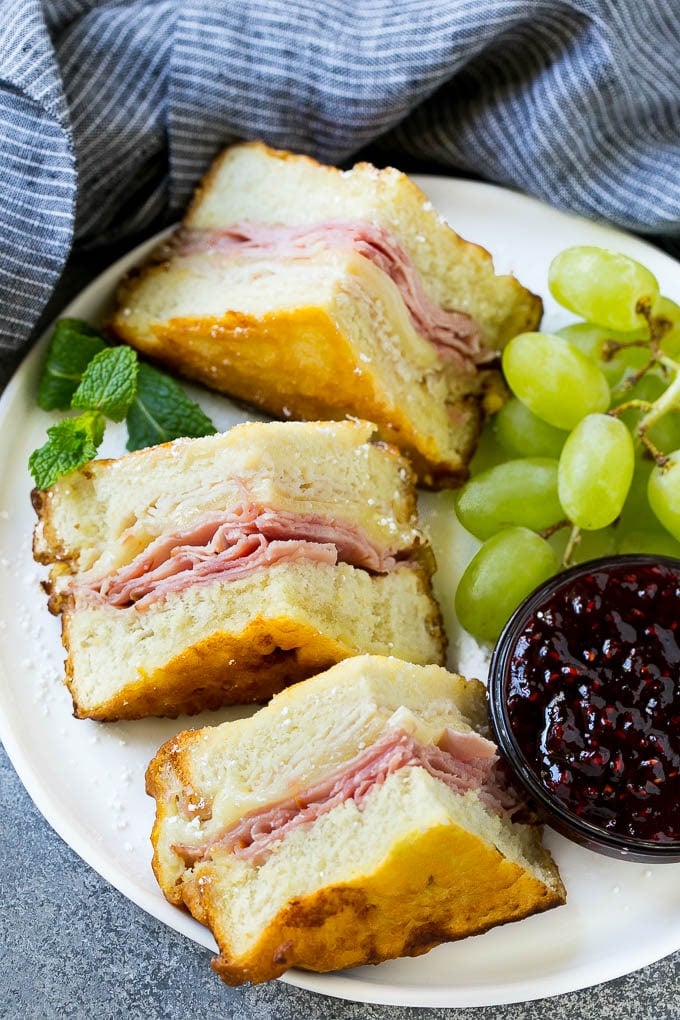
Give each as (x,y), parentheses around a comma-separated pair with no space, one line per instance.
(451,332)
(233,545)
(464,762)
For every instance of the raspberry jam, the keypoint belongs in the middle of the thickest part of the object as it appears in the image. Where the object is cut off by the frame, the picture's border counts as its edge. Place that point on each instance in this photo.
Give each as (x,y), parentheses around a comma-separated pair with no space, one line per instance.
(591,689)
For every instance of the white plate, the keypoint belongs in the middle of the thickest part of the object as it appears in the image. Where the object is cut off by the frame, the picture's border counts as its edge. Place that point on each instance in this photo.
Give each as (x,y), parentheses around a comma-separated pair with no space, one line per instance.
(87,778)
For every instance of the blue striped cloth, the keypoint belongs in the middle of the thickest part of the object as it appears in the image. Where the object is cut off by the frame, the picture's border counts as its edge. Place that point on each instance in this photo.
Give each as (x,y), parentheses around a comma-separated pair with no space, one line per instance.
(110,111)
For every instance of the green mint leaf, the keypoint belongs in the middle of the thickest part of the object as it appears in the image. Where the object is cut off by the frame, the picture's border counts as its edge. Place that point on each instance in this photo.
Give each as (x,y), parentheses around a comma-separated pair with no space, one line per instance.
(70,444)
(109,383)
(73,345)
(161,411)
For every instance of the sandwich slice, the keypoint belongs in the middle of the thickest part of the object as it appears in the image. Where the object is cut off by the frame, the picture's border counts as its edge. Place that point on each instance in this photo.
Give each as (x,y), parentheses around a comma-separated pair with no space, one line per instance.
(361,816)
(314,293)
(212,571)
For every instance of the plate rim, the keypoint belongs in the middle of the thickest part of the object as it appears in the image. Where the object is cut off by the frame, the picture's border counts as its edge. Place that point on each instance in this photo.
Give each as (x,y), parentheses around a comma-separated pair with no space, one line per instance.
(336,984)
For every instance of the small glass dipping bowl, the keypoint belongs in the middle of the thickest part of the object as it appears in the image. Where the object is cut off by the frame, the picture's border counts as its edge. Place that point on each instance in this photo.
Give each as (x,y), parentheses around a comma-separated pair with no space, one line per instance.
(584,693)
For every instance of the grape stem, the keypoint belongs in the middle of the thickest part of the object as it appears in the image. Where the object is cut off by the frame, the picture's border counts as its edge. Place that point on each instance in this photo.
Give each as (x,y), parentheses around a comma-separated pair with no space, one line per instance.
(634,378)
(641,431)
(574,539)
(572,542)
(646,422)
(657,325)
(669,399)
(557,526)
(611,348)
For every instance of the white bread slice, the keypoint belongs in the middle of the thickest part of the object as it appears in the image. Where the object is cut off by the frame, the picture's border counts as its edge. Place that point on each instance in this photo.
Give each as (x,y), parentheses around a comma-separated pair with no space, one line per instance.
(239,640)
(100,517)
(251,182)
(413,865)
(329,335)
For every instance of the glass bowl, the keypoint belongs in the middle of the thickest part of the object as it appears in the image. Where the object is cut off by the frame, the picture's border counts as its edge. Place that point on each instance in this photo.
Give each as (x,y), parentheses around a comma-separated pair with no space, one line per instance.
(584,694)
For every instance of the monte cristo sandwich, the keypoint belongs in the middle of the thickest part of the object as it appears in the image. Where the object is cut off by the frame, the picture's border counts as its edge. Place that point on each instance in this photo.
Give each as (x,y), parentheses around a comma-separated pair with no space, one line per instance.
(212,571)
(361,816)
(314,293)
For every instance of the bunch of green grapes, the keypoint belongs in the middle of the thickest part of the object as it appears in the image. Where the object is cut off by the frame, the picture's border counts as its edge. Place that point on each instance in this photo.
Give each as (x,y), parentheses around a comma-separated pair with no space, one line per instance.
(583,460)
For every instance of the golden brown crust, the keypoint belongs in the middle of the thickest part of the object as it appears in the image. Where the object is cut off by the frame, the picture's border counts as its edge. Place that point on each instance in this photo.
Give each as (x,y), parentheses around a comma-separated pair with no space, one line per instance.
(300,360)
(438,886)
(47,546)
(223,669)
(522,310)
(240,639)
(411,866)
(230,666)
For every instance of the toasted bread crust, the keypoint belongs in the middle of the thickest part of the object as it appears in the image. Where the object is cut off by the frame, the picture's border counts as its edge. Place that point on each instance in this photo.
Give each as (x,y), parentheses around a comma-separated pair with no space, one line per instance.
(305,354)
(401,205)
(222,669)
(318,376)
(424,893)
(292,629)
(360,580)
(408,864)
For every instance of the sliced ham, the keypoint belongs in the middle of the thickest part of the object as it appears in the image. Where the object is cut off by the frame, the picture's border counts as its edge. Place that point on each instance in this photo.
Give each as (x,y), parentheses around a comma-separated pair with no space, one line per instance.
(450,331)
(234,545)
(468,746)
(352,543)
(252,837)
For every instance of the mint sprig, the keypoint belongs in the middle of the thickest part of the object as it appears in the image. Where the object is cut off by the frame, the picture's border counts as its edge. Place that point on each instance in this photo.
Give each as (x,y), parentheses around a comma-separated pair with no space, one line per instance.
(109,383)
(161,411)
(72,347)
(71,443)
(84,373)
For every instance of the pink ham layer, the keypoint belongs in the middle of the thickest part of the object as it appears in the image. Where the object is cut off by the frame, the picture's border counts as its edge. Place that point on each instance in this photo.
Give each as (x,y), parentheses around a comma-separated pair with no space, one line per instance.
(462,761)
(234,545)
(449,331)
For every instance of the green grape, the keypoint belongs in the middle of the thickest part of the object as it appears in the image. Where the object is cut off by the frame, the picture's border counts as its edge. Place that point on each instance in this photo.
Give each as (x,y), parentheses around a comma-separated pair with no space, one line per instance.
(554,379)
(637,515)
(488,451)
(502,573)
(663,491)
(593,544)
(595,471)
(670,312)
(603,286)
(518,492)
(594,341)
(522,434)
(665,433)
(653,543)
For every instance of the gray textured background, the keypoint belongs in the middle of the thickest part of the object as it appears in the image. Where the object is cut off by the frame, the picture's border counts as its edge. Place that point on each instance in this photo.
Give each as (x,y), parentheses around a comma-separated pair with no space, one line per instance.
(74,947)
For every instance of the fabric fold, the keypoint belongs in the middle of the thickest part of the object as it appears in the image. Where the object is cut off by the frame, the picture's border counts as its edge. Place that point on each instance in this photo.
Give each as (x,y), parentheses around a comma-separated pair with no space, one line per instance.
(110,113)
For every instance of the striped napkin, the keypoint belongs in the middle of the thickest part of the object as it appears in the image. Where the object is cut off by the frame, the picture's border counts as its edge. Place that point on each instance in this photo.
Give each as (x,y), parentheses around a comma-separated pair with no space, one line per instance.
(110,110)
